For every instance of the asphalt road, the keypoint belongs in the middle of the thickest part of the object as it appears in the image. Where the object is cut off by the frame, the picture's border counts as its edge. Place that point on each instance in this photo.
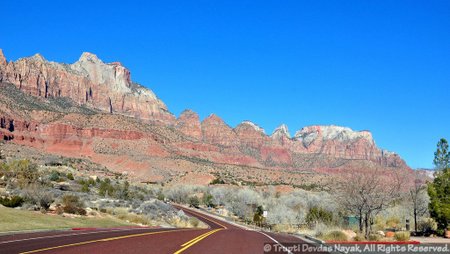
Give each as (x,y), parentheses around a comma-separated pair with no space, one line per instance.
(220,237)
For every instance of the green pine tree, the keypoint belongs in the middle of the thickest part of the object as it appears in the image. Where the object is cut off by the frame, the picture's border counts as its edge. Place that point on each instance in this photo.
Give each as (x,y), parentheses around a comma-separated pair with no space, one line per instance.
(439,189)
(442,155)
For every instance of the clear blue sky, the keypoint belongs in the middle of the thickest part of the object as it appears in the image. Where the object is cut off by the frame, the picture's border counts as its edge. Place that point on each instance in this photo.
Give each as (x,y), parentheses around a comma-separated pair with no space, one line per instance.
(377,65)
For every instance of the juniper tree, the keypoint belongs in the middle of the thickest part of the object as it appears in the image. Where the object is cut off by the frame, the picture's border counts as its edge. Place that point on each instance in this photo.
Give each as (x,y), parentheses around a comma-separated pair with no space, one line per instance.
(442,155)
(439,189)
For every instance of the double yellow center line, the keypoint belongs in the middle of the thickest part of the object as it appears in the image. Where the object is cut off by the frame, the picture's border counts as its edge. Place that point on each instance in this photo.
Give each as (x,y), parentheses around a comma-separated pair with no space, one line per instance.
(184,246)
(188,244)
(102,240)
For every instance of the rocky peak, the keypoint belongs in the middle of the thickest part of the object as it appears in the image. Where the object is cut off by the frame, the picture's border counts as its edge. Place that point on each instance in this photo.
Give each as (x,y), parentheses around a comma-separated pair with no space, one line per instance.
(216,131)
(213,119)
(251,135)
(89,57)
(88,81)
(2,58)
(281,132)
(38,58)
(115,76)
(187,113)
(332,132)
(116,63)
(251,125)
(189,124)
(108,87)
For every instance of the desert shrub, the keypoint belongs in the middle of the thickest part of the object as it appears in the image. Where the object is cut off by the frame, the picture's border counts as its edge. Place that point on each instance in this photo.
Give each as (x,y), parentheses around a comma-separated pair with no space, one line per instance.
(45,200)
(124,214)
(374,237)
(39,196)
(179,194)
(194,222)
(73,204)
(318,214)
(160,196)
(219,195)
(208,200)
(85,187)
(54,176)
(180,219)
(4,169)
(194,202)
(217,181)
(25,172)
(280,214)
(402,236)
(93,182)
(106,188)
(123,191)
(138,219)
(13,201)
(70,176)
(59,209)
(155,209)
(53,161)
(179,222)
(359,238)
(335,236)
(243,203)
(427,225)
(392,222)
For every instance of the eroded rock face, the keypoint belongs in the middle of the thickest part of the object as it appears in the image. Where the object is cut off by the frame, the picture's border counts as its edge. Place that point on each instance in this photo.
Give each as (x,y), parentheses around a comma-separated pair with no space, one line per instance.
(89,81)
(108,87)
(345,143)
(2,58)
(216,131)
(189,124)
(281,135)
(251,135)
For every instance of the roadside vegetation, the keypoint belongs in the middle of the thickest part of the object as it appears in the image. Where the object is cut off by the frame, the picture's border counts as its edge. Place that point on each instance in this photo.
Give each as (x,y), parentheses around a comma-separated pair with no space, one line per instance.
(70,197)
(369,204)
(366,205)
(305,212)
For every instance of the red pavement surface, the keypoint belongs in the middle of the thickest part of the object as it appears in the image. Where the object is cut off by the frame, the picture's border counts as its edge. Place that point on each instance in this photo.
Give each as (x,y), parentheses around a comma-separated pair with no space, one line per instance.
(227,239)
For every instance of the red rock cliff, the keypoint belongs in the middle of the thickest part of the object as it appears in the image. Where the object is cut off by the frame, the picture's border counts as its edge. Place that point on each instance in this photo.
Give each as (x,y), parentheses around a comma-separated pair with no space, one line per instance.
(89,81)
(108,87)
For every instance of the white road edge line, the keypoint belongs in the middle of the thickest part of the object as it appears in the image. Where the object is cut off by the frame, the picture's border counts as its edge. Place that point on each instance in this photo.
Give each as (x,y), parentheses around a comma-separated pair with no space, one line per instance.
(271,238)
(72,234)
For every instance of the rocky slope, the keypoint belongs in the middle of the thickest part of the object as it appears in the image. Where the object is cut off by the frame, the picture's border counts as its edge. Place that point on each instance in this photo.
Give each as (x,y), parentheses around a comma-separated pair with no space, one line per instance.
(93,110)
(89,81)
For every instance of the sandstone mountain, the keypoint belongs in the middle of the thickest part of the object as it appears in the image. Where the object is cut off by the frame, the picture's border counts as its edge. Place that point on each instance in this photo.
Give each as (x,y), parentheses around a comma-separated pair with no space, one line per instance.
(89,81)
(91,109)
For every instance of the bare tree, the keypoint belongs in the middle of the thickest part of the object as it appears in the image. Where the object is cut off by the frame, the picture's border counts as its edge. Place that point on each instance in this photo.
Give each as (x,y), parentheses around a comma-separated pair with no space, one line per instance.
(350,197)
(418,198)
(366,192)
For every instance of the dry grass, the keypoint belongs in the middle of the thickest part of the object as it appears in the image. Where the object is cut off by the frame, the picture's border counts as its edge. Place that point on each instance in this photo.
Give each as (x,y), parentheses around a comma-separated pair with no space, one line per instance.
(335,236)
(16,220)
(402,236)
(123,214)
(190,223)
(286,228)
